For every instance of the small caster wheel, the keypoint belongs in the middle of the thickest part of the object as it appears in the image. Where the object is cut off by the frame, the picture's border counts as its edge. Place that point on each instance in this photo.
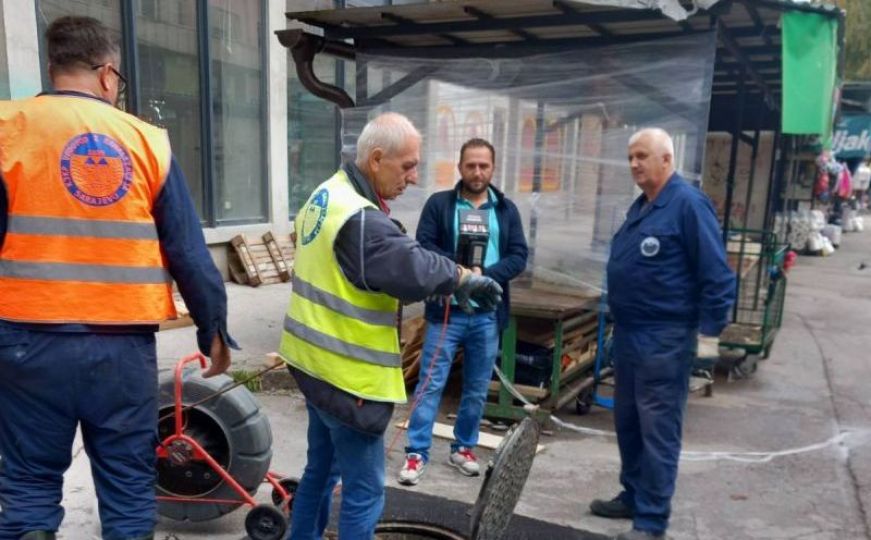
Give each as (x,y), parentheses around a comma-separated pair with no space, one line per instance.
(265,522)
(584,402)
(289,485)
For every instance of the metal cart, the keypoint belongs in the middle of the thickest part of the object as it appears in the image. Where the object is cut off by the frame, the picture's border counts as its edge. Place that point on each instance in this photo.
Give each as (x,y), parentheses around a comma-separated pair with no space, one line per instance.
(561,323)
(757,259)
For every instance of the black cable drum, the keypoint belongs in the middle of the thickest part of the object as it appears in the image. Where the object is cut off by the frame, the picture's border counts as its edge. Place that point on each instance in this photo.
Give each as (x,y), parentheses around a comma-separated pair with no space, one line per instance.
(232,429)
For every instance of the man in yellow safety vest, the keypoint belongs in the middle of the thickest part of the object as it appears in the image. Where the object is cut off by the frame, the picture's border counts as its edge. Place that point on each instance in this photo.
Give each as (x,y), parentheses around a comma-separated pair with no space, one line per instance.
(353,267)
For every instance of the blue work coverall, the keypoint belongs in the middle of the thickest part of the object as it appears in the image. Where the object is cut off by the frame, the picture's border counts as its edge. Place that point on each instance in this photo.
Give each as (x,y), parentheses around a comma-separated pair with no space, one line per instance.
(668,280)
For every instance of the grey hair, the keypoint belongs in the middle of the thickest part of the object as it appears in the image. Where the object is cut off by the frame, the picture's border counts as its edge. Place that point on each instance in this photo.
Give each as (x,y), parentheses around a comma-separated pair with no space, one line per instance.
(660,137)
(389,131)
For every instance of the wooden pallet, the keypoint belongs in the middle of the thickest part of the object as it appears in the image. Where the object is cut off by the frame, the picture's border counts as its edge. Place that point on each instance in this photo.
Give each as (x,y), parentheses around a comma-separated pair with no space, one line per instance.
(264,261)
(239,245)
(277,257)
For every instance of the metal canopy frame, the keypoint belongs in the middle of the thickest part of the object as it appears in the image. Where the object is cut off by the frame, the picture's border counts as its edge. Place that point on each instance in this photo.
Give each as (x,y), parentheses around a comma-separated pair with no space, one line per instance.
(747,78)
(748,35)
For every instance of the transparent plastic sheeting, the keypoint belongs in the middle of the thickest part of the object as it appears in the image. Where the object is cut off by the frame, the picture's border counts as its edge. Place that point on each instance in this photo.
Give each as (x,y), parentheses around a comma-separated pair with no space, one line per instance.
(669,8)
(560,123)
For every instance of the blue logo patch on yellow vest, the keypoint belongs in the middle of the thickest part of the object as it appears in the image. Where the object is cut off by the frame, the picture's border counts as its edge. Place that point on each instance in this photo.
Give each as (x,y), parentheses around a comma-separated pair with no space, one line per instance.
(95,169)
(650,246)
(315,213)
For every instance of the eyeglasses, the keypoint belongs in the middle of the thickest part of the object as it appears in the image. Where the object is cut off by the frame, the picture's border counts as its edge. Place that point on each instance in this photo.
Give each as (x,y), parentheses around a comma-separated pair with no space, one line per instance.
(122,81)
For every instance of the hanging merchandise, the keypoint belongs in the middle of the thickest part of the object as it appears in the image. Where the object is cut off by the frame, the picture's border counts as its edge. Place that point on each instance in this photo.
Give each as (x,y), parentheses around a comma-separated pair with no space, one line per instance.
(822,183)
(845,182)
(821,186)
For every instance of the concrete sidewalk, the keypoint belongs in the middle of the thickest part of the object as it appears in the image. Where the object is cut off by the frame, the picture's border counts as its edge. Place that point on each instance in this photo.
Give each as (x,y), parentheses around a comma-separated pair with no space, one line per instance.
(813,388)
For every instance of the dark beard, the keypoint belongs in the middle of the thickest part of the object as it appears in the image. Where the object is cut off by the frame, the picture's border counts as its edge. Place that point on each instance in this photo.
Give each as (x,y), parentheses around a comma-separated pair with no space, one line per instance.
(468,188)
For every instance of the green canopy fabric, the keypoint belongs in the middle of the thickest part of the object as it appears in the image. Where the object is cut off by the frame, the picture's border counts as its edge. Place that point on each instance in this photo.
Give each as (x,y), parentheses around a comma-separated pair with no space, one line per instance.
(810,59)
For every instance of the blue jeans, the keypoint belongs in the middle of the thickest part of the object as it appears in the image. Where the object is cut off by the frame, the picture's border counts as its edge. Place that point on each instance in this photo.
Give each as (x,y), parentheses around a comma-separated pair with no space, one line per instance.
(479,335)
(335,450)
(50,383)
(651,376)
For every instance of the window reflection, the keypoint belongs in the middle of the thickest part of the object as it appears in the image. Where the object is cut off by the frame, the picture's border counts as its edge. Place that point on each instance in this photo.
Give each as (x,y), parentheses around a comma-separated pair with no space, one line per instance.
(237,119)
(4,69)
(312,124)
(170,83)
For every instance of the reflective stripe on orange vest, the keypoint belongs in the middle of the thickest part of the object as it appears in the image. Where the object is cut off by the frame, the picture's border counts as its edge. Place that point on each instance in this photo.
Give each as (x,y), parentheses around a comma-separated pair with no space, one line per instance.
(81,227)
(81,245)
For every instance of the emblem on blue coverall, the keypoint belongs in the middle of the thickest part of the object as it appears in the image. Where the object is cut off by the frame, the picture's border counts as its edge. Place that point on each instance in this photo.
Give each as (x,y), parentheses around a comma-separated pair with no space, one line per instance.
(315,213)
(650,246)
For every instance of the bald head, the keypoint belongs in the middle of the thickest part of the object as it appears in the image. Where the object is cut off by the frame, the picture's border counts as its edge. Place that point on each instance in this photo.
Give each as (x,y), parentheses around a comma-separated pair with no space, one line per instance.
(659,138)
(388,152)
(651,159)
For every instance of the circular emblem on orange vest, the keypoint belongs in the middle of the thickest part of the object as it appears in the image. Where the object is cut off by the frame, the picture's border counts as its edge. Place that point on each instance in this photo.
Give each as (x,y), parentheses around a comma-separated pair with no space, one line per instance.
(95,169)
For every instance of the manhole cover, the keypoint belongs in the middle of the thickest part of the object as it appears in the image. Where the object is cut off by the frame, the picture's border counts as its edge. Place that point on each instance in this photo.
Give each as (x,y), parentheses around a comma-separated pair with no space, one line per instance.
(504,480)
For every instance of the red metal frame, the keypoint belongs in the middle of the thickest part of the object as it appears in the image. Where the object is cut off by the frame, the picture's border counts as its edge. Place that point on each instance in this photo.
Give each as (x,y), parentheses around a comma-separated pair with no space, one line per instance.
(200,454)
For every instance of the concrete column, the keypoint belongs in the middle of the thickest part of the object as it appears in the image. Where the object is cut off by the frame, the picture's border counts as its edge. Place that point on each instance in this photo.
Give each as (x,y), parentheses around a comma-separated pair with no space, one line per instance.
(277,58)
(22,48)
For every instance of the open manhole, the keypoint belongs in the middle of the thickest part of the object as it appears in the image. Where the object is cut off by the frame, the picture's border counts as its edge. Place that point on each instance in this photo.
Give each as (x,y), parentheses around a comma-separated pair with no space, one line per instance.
(491,514)
(408,530)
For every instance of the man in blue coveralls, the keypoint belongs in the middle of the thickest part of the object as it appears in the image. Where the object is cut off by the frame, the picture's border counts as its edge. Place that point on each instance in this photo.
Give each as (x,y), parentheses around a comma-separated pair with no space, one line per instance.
(669,291)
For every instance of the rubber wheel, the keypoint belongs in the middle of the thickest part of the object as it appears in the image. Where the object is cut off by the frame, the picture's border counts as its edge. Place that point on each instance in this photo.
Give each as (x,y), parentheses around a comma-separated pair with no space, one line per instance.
(584,402)
(289,485)
(265,522)
(231,428)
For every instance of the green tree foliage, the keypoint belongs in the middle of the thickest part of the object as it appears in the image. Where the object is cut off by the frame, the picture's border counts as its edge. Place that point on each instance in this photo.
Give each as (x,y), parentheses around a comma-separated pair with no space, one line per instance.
(858,38)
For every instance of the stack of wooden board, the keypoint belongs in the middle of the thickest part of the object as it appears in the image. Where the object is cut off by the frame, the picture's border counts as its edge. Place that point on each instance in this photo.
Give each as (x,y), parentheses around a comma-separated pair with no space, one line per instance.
(268,259)
(184,316)
(411,341)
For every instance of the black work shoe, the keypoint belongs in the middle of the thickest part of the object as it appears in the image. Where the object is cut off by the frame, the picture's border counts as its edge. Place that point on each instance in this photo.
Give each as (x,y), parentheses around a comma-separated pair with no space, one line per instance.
(39,535)
(613,509)
(635,534)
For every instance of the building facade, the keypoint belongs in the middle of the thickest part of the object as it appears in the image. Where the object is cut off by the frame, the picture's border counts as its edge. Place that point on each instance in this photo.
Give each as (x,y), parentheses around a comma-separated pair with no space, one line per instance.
(251,141)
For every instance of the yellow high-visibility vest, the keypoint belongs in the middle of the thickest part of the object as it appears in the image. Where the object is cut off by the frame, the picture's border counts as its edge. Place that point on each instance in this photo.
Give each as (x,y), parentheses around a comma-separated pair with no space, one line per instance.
(333,330)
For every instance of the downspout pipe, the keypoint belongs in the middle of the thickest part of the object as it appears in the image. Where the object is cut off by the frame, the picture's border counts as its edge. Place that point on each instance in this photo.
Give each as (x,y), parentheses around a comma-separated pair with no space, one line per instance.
(303,47)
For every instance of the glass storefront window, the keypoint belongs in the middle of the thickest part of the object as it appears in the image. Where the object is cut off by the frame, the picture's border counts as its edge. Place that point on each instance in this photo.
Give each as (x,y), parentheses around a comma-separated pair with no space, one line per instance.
(169,91)
(312,127)
(312,122)
(237,123)
(4,64)
(106,11)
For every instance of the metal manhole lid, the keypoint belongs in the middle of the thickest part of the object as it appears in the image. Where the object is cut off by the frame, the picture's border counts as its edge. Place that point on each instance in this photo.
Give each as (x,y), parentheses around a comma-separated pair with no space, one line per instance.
(504,479)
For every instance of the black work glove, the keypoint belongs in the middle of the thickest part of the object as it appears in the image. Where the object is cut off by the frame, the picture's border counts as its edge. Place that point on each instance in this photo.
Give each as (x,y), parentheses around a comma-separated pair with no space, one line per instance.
(483,290)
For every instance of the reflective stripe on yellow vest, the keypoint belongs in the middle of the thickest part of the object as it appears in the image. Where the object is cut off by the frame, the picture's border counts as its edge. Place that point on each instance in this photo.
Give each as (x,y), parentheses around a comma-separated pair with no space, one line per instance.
(333,330)
(81,245)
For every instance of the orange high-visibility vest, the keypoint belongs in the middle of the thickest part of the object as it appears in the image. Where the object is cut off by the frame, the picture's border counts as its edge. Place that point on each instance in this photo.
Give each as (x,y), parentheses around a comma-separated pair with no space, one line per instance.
(81,246)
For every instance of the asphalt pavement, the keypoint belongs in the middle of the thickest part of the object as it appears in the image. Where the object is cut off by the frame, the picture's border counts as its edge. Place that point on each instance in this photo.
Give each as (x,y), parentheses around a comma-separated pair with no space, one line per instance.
(806,409)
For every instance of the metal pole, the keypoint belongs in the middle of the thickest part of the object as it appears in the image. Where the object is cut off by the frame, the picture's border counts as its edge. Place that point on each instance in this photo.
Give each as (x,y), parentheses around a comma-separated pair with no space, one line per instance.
(733,155)
(536,180)
(131,56)
(774,171)
(752,177)
(206,108)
